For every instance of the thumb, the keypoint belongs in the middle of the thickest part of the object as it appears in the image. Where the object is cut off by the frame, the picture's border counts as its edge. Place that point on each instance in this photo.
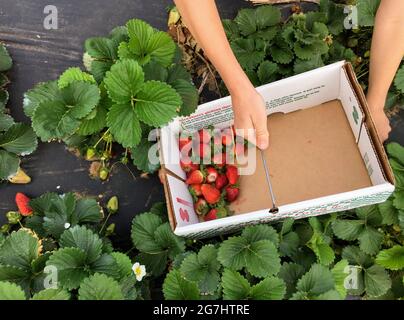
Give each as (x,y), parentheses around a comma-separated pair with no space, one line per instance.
(261,133)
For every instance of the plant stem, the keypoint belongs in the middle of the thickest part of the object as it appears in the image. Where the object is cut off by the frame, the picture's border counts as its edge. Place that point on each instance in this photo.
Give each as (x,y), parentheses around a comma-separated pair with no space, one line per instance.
(105,222)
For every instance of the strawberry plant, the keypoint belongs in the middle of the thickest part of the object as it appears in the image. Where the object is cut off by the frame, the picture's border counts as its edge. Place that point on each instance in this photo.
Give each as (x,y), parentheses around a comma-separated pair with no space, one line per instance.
(16,139)
(134,83)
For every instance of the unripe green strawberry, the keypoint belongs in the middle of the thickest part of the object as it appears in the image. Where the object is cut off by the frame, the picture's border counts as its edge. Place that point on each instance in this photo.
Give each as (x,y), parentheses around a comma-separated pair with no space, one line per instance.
(90,153)
(113,205)
(110,230)
(104,172)
(13,217)
(4,228)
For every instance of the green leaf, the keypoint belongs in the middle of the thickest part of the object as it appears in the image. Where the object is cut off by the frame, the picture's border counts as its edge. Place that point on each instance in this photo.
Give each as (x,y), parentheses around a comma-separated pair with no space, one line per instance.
(96,124)
(367,11)
(52,294)
(4,96)
(306,51)
(270,288)
(266,16)
(86,211)
(377,281)
(235,286)
(100,287)
(155,71)
(261,232)
(124,81)
(157,103)
(290,273)
(6,121)
(43,203)
(329,295)
(140,156)
(19,139)
(231,29)
(167,240)
(388,212)
(289,244)
(392,259)
(306,65)
(8,290)
(348,229)
(80,98)
(5,60)
(246,21)
(203,268)
(396,151)
(280,52)
(9,164)
(339,275)
(143,229)
(161,48)
(124,125)
(176,287)
(16,275)
(189,96)
(48,91)
(106,264)
(316,281)
(323,251)
(260,258)
(101,48)
(370,215)
(70,265)
(124,264)
(398,201)
(246,53)
(267,72)
(370,240)
(355,256)
(19,250)
(73,75)
(84,239)
(156,263)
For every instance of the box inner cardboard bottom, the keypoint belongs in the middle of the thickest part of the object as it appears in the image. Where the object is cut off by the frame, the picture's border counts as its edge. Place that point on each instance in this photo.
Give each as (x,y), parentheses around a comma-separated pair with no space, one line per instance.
(312,153)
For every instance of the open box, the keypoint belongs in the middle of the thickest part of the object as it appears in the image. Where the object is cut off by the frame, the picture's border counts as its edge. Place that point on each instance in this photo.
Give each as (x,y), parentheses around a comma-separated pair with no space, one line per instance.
(324,155)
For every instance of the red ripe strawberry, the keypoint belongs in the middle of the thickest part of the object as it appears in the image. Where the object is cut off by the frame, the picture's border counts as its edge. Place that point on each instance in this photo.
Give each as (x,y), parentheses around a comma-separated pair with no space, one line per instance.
(188,166)
(210,193)
(232,193)
(211,174)
(221,181)
(227,139)
(201,207)
(22,202)
(204,151)
(232,174)
(204,136)
(215,213)
(195,177)
(195,190)
(184,141)
(219,160)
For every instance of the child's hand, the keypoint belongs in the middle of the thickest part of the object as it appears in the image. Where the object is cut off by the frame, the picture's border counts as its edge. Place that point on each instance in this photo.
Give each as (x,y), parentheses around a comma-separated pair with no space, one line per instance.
(380,119)
(249,113)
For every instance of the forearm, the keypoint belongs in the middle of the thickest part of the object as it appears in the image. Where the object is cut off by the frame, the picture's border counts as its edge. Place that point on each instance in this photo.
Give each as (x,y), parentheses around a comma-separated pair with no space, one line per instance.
(202,19)
(387,49)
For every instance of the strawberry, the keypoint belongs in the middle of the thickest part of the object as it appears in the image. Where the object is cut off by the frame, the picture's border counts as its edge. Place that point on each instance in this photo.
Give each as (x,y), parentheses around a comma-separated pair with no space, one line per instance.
(211,174)
(188,166)
(215,213)
(227,139)
(221,181)
(204,136)
(239,148)
(219,160)
(195,190)
(201,207)
(232,174)
(195,177)
(231,193)
(210,193)
(22,202)
(183,141)
(204,151)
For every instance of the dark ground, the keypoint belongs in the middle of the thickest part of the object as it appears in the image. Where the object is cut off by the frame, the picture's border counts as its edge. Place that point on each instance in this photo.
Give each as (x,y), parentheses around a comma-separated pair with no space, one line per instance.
(42,55)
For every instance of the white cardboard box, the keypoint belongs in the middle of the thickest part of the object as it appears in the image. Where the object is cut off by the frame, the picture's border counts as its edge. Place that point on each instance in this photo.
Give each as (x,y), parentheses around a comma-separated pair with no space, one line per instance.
(324,154)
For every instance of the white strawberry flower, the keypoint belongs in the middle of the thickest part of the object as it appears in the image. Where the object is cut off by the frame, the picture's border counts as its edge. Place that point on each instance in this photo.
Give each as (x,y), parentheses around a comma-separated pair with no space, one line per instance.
(67,225)
(139,271)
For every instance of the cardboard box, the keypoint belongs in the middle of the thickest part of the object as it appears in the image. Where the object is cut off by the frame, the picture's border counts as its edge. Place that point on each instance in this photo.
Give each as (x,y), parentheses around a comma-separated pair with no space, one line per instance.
(324,155)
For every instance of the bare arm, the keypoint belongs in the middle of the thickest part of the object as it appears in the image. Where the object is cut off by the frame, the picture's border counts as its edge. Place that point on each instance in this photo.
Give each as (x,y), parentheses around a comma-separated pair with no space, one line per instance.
(386,54)
(202,19)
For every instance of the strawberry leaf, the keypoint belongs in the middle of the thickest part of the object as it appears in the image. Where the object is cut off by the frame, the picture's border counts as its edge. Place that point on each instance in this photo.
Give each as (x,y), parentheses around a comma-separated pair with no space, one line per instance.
(51,294)
(100,287)
(124,81)
(157,103)
(246,53)
(392,259)
(124,125)
(316,281)
(72,75)
(48,91)
(5,60)
(9,164)
(176,287)
(19,139)
(6,121)
(10,291)
(377,281)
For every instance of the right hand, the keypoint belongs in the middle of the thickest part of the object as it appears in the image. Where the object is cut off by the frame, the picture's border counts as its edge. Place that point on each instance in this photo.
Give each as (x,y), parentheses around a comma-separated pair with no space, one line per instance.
(380,119)
(249,113)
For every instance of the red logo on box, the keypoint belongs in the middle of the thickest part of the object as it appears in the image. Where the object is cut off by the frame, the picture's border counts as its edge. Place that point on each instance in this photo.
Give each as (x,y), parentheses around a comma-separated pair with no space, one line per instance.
(184,215)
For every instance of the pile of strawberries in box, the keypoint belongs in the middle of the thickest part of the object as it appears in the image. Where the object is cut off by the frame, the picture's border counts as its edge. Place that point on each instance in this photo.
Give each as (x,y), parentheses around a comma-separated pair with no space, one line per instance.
(207,157)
